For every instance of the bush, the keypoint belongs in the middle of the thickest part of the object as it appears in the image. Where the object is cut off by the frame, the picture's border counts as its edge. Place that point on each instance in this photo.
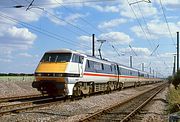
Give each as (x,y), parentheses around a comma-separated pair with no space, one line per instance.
(176,79)
(173,100)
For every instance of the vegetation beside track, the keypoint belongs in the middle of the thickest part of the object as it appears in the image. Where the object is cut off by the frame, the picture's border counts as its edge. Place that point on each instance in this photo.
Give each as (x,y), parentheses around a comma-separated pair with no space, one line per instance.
(174,99)
(174,93)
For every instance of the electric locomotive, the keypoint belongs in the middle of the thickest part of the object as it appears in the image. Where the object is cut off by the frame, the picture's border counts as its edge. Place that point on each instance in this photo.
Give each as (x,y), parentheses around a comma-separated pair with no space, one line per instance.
(66,72)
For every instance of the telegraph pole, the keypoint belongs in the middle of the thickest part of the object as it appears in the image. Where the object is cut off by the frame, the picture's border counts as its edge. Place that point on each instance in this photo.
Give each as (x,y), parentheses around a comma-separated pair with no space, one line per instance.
(93,47)
(131,61)
(174,67)
(142,66)
(177,51)
(153,73)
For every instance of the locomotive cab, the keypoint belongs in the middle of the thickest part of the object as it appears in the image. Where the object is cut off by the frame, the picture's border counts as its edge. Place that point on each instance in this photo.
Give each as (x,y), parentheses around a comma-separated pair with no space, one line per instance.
(54,71)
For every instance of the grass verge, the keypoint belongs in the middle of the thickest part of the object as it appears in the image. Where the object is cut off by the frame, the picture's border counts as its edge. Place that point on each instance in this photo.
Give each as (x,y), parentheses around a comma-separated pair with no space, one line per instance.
(174,100)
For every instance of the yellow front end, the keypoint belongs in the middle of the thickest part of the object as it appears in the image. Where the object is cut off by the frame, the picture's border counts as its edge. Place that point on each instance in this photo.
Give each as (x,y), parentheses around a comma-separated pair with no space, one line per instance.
(50,78)
(49,69)
(58,67)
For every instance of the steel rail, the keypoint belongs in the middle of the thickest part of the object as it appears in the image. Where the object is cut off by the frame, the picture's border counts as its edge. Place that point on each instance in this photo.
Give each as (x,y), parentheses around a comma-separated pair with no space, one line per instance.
(6,107)
(6,99)
(112,107)
(32,105)
(140,106)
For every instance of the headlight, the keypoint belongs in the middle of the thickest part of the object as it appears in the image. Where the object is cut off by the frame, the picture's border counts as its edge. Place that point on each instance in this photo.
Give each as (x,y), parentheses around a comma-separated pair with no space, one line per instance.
(59,75)
(38,74)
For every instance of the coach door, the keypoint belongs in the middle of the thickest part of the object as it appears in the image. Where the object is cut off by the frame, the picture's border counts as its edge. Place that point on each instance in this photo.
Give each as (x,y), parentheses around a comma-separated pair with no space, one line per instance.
(81,59)
(78,66)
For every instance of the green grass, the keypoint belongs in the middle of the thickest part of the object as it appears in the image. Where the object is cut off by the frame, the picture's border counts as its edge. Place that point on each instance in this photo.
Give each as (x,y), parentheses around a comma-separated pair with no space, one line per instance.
(173,100)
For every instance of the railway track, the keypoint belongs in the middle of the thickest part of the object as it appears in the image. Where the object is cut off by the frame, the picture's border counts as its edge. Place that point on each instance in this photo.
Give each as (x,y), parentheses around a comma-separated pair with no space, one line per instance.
(24,106)
(124,111)
(18,98)
(29,103)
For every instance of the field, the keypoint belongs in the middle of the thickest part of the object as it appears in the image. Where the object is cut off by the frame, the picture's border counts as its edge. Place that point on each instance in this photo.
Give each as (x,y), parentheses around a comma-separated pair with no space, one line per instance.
(16,86)
(16,78)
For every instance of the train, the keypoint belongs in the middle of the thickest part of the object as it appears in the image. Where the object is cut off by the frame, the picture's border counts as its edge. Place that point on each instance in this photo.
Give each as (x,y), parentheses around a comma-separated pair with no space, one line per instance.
(70,73)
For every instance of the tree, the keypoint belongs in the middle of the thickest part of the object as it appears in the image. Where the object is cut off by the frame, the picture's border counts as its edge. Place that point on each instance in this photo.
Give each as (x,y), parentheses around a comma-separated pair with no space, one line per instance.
(176,79)
(170,79)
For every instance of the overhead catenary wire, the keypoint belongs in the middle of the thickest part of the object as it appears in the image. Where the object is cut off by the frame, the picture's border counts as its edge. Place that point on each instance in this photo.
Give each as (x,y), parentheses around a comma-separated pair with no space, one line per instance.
(139,23)
(70,23)
(164,15)
(82,30)
(58,18)
(111,45)
(94,27)
(145,22)
(53,15)
(163,12)
(154,50)
(30,5)
(133,50)
(143,29)
(91,26)
(65,3)
(42,31)
(150,34)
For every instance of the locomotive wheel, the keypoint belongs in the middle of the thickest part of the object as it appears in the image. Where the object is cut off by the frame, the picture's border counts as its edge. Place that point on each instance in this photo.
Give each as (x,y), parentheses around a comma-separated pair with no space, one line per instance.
(120,86)
(77,92)
(91,88)
(116,85)
(108,89)
(135,85)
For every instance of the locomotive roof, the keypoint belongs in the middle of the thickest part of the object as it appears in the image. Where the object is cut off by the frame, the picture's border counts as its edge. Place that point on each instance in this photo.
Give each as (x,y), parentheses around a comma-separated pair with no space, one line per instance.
(93,57)
(60,51)
(65,51)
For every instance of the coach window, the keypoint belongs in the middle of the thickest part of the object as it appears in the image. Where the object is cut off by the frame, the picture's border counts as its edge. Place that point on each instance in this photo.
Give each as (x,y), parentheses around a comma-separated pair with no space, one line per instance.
(81,58)
(119,70)
(88,64)
(102,66)
(97,66)
(111,68)
(91,63)
(130,72)
(77,58)
(115,69)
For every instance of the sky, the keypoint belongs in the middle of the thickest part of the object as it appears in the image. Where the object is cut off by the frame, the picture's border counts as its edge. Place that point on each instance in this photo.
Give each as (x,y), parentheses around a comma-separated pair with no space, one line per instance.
(147,31)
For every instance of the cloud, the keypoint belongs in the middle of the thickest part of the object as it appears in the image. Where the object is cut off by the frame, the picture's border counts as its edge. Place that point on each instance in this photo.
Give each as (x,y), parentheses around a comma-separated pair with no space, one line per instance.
(64,19)
(19,38)
(170,4)
(146,9)
(5,60)
(158,29)
(85,38)
(113,9)
(25,55)
(116,37)
(21,34)
(112,23)
(138,50)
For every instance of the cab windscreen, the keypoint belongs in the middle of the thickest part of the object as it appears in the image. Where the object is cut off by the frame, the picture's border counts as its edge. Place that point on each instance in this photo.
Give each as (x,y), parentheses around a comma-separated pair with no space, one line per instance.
(56,57)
